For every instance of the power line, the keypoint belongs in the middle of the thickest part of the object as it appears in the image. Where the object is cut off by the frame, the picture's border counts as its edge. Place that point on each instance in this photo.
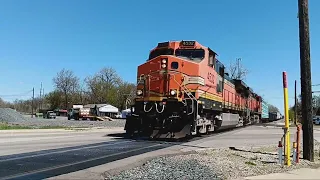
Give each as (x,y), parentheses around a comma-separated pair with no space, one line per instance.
(22,94)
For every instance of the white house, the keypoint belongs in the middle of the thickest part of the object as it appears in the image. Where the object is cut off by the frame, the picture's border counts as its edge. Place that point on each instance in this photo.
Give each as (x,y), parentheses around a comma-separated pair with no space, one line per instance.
(103,109)
(108,110)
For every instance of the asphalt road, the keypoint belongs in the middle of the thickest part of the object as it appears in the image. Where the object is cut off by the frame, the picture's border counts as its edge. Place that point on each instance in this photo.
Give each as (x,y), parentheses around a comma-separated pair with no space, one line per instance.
(49,153)
(40,154)
(65,158)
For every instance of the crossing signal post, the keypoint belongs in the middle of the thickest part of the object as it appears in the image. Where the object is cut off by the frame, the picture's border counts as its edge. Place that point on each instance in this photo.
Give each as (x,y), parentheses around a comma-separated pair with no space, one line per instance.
(286,116)
(305,70)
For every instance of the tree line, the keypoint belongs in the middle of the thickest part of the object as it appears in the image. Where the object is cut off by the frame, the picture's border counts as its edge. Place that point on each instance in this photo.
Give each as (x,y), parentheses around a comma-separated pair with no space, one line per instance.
(105,86)
(272,108)
(315,108)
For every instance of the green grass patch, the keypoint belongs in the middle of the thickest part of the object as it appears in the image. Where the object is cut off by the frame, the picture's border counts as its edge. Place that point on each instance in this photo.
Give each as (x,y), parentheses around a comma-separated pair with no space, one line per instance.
(4,126)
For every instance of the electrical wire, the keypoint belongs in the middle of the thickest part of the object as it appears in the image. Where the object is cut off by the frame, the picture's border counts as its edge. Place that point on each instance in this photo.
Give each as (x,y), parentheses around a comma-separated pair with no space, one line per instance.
(22,94)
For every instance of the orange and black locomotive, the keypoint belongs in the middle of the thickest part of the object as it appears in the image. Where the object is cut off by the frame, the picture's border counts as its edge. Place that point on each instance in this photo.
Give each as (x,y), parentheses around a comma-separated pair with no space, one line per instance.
(183,90)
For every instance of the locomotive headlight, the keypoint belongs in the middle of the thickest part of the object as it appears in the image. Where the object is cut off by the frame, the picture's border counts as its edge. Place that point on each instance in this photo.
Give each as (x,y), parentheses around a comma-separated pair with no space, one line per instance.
(139,92)
(173,92)
(164,63)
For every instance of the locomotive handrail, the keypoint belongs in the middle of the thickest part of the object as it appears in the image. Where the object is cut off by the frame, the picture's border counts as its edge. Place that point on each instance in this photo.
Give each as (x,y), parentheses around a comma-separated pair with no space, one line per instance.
(145,78)
(186,92)
(192,97)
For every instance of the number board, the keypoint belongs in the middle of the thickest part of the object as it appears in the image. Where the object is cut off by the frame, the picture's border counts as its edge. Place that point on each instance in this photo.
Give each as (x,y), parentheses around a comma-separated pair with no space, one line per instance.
(187,43)
(210,77)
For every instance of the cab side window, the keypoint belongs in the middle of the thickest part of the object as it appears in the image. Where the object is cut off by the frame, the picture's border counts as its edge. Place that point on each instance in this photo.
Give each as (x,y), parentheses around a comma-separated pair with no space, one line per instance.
(211,61)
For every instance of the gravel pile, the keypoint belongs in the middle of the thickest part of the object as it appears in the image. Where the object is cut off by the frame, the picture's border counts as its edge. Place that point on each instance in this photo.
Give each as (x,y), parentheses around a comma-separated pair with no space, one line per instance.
(177,167)
(13,117)
(227,163)
(10,115)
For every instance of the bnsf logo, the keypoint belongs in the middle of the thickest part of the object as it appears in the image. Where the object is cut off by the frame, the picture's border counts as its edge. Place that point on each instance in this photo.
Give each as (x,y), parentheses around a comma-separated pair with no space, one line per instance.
(210,77)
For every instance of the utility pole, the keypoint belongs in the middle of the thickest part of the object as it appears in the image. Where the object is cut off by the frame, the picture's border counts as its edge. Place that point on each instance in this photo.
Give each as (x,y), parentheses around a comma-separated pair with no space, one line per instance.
(305,70)
(238,65)
(295,103)
(32,102)
(40,99)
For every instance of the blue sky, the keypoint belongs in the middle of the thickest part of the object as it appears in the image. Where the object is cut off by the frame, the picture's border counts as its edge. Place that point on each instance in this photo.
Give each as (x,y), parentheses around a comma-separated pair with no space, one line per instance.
(39,38)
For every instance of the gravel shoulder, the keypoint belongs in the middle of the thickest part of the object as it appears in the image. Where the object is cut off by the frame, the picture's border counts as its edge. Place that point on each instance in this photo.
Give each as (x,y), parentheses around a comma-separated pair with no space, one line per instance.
(13,118)
(224,163)
(39,122)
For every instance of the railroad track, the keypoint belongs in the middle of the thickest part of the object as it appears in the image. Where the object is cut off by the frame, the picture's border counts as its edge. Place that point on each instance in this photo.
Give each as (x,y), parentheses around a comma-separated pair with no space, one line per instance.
(49,163)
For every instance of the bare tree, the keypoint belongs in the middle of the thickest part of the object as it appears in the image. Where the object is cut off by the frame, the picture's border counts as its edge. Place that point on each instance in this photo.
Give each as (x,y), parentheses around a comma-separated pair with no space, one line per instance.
(273,108)
(103,86)
(126,93)
(55,99)
(67,83)
(237,71)
(4,104)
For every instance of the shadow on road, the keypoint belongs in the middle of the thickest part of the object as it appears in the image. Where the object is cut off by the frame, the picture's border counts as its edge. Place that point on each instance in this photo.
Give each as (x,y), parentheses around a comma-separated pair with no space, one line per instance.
(255,152)
(54,162)
(268,124)
(187,139)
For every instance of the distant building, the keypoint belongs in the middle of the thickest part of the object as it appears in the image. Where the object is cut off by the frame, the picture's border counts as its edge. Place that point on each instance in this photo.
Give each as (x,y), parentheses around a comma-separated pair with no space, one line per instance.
(103,109)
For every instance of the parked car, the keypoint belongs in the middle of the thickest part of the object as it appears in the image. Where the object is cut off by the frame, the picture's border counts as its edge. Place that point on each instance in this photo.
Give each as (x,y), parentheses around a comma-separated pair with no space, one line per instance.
(316,120)
(50,115)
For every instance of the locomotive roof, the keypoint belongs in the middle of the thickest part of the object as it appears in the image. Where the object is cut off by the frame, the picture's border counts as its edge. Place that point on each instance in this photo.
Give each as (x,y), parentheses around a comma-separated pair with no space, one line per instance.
(182,43)
(175,44)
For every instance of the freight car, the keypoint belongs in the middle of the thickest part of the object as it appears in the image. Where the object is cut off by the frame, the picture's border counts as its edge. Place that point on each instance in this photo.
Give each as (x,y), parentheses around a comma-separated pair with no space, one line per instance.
(265,112)
(274,116)
(183,90)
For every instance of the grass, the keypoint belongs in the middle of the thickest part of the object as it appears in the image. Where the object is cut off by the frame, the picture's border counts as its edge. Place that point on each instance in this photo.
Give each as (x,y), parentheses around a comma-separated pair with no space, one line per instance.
(251,163)
(5,126)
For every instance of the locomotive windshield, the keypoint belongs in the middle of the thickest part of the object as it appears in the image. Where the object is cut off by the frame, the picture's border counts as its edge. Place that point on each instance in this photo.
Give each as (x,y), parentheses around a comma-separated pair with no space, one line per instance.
(191,54)
(159,52)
